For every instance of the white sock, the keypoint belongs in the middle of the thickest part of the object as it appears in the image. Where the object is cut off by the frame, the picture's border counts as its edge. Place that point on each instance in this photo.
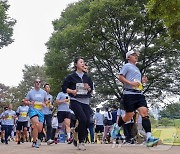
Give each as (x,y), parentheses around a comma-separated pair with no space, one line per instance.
(148,134)
(69,135)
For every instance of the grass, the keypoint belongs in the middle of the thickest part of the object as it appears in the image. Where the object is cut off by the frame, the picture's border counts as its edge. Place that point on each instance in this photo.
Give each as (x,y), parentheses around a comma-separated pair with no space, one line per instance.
(168,135)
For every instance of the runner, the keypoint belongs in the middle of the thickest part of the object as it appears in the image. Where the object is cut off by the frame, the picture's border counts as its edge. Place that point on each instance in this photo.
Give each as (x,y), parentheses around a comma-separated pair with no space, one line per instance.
(22,122)
(133,97)
(2,125)
(55,128)
(48,115)
(63,115)
(36,99)
(107,125)
(98,124)
(79,86)
(9,122)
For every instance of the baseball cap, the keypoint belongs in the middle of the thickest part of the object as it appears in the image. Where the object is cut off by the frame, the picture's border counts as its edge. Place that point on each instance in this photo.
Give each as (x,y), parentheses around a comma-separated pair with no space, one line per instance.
(130,53)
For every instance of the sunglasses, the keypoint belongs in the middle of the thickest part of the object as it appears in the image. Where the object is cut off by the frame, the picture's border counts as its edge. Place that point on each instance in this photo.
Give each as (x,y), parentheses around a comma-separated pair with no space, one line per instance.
(37,81)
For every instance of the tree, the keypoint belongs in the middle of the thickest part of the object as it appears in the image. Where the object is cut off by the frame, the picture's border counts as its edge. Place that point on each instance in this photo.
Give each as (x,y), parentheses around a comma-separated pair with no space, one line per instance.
(30,73)
(171,111)
(169,12)
(103,31)
(165,122)
(6,25)
(7,95)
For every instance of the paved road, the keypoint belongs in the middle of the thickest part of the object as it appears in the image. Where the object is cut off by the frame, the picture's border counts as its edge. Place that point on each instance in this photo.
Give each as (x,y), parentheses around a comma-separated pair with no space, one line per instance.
(13,148)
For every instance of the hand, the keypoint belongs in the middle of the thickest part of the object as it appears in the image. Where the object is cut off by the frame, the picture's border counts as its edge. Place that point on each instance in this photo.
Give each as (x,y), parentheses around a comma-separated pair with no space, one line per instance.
(32,103)
(74,92)
(135,84)
(86,86)
(44,104)
(51,106)
(66,100)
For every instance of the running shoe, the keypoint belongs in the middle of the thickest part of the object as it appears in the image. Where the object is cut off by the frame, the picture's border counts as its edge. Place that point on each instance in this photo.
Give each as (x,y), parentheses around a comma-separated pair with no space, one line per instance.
(35,145)
(2,140)
(81,146)
(18,142)
(50,142)
(151,141)
(75,143)
(69,141)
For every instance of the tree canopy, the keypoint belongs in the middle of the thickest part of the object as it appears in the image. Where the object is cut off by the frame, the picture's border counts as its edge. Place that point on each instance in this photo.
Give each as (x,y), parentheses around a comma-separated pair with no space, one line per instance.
(169,12)
(6,25)
(102,31)
(171,111)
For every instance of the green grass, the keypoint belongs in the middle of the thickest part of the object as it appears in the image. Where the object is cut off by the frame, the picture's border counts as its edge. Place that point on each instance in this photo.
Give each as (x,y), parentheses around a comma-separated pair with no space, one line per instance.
(168,135)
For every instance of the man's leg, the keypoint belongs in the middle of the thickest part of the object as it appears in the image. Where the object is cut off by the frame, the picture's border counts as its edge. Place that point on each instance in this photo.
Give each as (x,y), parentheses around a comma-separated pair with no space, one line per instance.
(122,120)
(150,140)
(37,127)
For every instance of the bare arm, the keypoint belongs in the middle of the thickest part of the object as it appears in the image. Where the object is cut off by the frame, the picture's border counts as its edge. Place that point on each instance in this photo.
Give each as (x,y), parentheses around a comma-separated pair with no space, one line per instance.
(125,81)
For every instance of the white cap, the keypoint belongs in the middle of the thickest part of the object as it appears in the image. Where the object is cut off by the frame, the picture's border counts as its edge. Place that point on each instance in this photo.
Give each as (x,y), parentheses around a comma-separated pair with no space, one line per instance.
(129,53)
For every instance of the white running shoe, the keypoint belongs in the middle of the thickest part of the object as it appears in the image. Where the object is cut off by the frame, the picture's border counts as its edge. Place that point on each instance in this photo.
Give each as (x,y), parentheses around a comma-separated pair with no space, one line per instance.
(50,142)
(81,146)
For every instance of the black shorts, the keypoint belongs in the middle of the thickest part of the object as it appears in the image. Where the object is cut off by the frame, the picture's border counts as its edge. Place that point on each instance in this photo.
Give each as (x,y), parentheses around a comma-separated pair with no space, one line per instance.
(99,129)
(61,115)
(133,101)
(2,128)
(21,125)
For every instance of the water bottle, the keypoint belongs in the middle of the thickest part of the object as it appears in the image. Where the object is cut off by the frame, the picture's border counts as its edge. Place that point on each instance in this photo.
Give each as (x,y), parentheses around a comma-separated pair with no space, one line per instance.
(61,135)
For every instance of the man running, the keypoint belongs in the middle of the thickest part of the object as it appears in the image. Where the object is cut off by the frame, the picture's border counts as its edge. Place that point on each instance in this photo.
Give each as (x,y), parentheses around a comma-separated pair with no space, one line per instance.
(36,99)
(22,122)
(9,122)
(134,99)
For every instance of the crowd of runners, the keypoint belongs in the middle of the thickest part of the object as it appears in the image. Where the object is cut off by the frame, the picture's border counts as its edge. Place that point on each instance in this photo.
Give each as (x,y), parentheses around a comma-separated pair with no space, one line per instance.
(70,119)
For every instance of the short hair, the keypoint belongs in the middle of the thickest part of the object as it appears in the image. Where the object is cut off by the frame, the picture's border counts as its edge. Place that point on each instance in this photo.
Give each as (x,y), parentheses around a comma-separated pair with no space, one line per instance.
(97,109)
(46,85)
(114,106)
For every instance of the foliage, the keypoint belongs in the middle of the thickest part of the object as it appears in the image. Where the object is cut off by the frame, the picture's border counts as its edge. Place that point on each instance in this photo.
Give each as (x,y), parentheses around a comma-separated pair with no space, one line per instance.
(30,73)
(6,25)
(169,12)
(171,111)
(165,122)
(102,31)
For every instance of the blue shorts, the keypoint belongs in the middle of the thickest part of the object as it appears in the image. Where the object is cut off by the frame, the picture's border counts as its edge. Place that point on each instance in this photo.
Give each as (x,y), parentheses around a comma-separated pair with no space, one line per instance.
(34,112)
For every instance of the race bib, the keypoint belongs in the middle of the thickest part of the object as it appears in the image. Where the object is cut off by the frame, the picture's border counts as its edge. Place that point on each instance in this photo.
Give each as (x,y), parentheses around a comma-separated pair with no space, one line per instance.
(38,105)
(10,117)
(140,87)
(80,89)
(23,114)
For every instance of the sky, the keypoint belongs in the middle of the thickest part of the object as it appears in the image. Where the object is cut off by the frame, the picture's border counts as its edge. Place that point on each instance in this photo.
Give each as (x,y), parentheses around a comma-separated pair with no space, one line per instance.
(31,32)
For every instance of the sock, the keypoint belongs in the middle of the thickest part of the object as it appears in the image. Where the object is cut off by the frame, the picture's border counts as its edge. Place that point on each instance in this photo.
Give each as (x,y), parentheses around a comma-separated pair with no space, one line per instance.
(148,134)
(56,135)
(146,124)
(68,135)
